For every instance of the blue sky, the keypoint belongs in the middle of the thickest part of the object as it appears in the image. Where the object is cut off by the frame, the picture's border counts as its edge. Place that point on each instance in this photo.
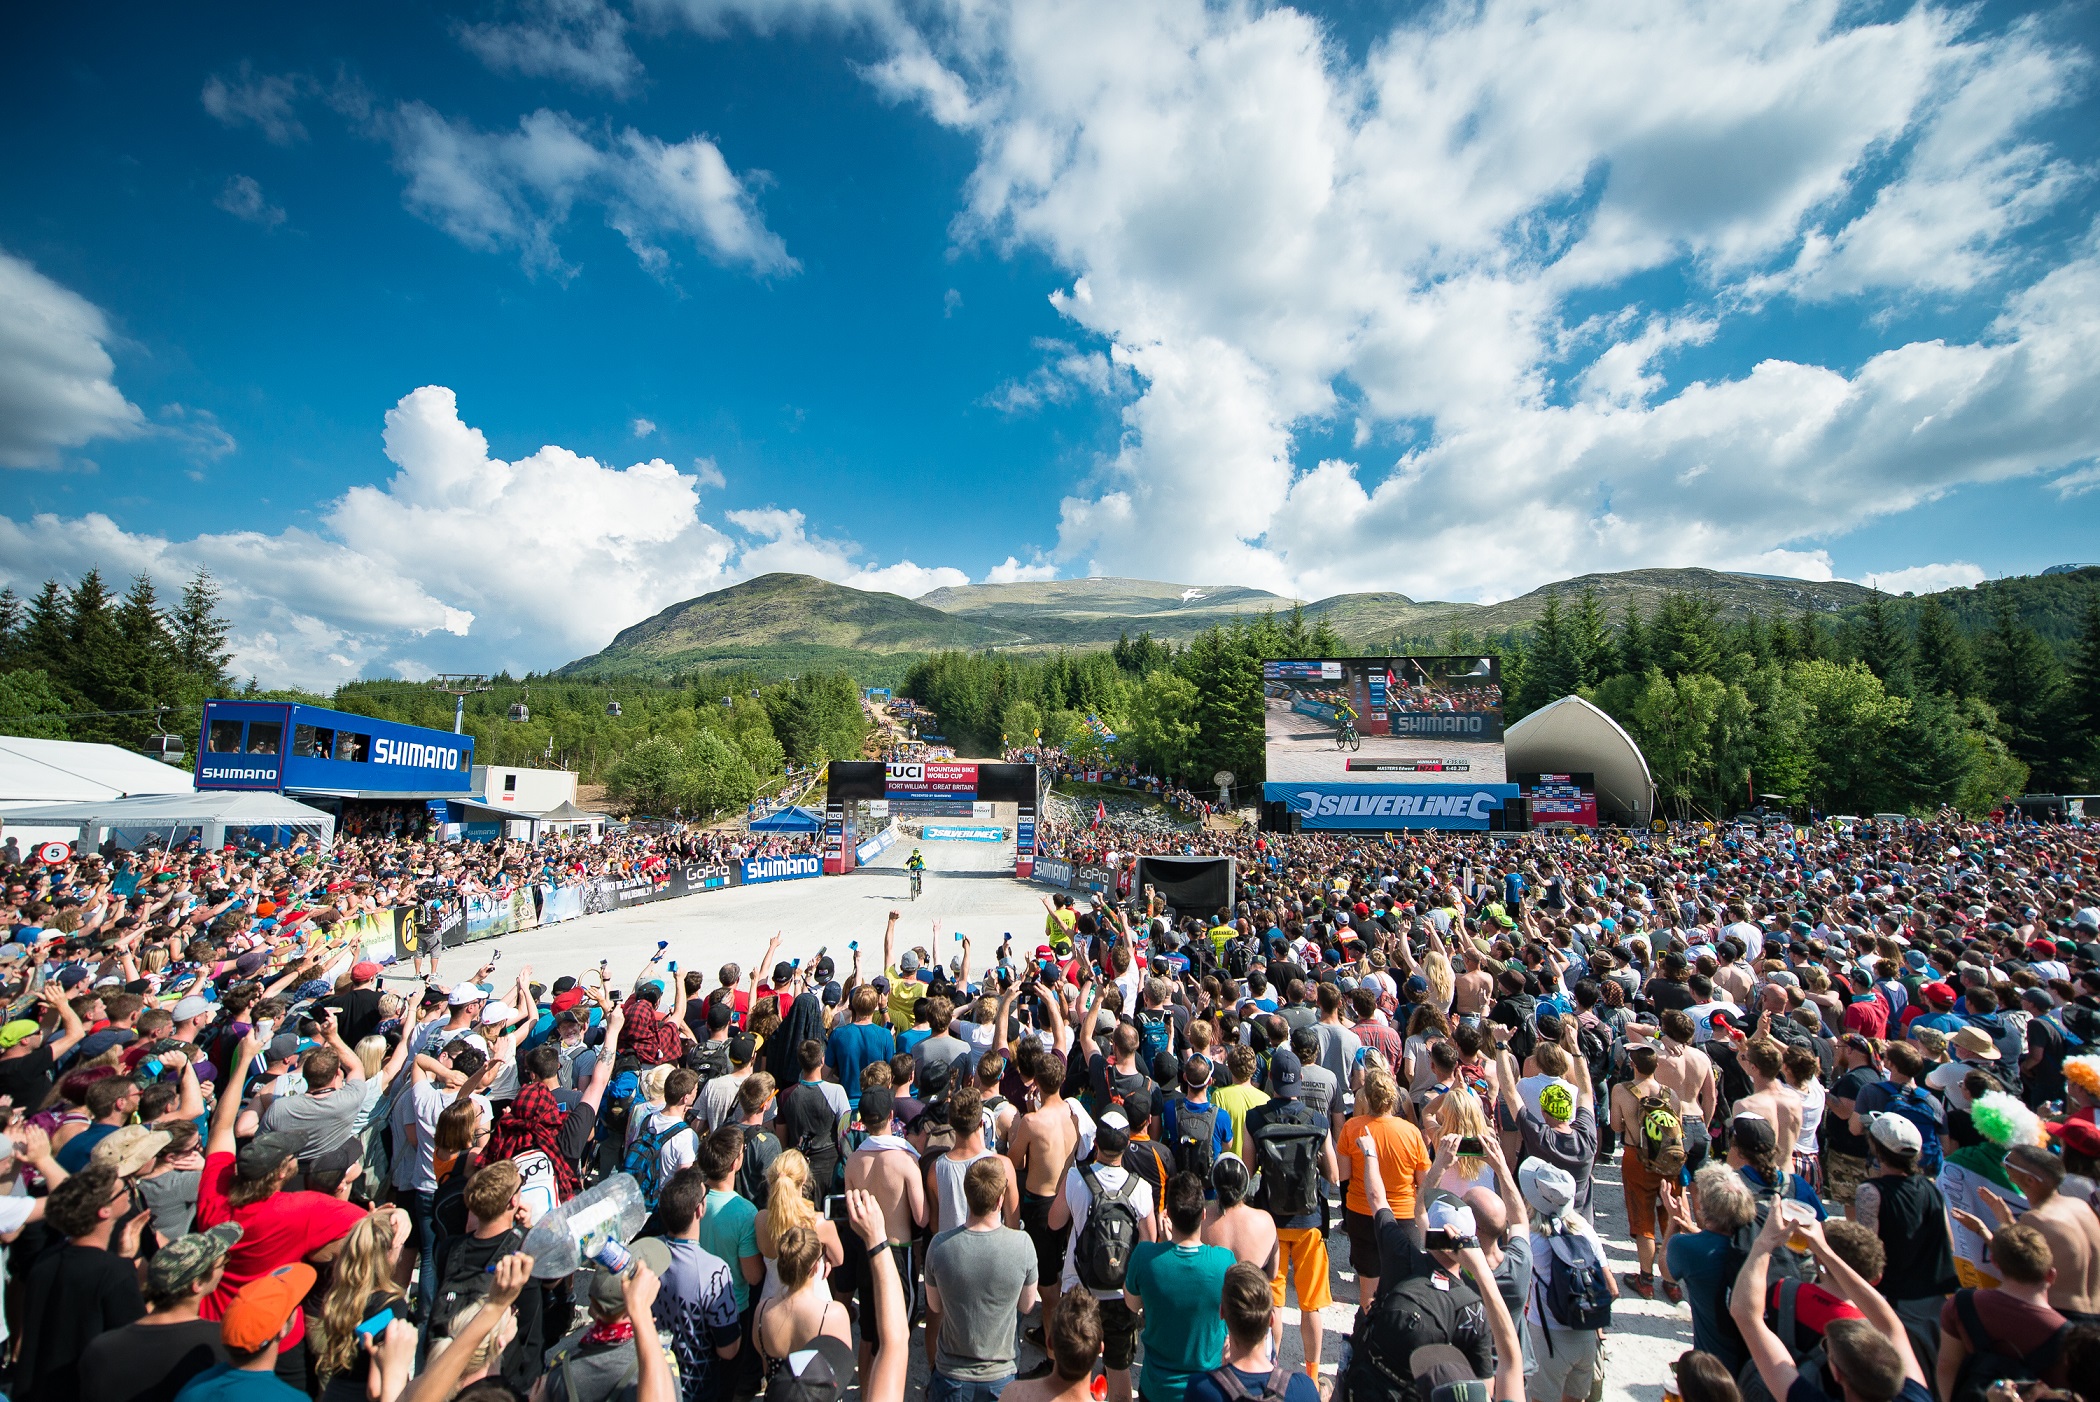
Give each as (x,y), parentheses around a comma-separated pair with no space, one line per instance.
(465,338)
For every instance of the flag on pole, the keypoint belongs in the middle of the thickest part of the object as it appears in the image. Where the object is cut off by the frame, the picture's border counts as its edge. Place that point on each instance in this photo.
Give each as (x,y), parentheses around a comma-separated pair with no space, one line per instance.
(1100,812)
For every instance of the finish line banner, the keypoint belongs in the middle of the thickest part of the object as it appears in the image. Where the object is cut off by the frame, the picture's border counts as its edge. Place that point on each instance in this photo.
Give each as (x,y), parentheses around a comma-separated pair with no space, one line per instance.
(929,779)
(759,870)
(930,833)
(1387,806)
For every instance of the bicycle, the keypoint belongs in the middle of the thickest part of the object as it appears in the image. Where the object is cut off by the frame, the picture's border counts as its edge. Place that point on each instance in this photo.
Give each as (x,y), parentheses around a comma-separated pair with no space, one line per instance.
(1346,738)
(916,876)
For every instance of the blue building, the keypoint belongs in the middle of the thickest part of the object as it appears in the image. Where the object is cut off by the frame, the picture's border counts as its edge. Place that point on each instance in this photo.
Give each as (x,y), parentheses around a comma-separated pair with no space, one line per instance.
(363,770)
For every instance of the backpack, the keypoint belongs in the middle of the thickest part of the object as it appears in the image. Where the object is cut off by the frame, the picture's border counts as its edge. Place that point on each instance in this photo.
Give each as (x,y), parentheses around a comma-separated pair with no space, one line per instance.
(1233,1389)
(816,1132)
(1787,1263)
(466,1278)
(1474,1076)
(1916,1106)
(1658,1135)
(1405,1315)
(538,1187)
(993,1140)
(1195,1138)
(1989,1360)
(1287,1156)
(707,1060)
(1593,1044)
(761,1148)
(645,1162)
(1577,1294)
(1239,959)
(1101,1251)
(620,1093)
(1155,1035)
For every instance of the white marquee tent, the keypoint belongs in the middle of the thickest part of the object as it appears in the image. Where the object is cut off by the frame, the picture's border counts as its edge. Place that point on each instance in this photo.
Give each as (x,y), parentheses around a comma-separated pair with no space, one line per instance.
(1570,736)
(211,815)
(58,771)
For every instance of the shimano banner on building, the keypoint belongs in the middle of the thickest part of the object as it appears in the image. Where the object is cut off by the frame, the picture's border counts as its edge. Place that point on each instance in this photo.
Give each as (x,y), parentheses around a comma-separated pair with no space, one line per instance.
(760,870)
(1383,806)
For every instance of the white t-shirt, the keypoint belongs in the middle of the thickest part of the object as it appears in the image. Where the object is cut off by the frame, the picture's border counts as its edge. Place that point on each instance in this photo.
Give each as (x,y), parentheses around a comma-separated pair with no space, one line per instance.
(679,1150)
(1752,936)
(1812,1099)
(1079,1200)
(1947,1078)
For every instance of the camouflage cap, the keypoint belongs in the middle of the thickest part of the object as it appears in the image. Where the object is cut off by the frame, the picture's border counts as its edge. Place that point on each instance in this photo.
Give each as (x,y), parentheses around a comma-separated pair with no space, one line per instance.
(186,1260)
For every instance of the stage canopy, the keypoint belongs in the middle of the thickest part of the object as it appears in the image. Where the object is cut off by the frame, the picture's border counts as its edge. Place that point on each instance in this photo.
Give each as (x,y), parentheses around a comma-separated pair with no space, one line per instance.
(61,771)
(212,814)
(1572,736)
(788,820)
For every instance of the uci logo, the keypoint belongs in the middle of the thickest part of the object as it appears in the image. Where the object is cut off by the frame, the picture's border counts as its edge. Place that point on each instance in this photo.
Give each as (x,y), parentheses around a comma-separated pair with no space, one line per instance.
(910,773)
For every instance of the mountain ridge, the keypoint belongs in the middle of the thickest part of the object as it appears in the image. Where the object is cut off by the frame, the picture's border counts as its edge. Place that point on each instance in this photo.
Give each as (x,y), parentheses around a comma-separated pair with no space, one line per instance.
(792,622)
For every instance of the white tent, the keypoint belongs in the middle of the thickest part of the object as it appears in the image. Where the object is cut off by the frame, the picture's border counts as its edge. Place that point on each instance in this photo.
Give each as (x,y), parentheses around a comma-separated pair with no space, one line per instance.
(176,815)
(57,771)
(1572,736)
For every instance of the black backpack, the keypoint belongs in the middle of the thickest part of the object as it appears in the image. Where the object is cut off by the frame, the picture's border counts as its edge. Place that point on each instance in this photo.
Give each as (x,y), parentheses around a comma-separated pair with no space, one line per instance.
(1233,1388)
(1101,1253)
(1195,1138)
(1990,1360)
(1787,1263)
(1405,1315)
(1287,1156)
(761,1148)
(466,1278)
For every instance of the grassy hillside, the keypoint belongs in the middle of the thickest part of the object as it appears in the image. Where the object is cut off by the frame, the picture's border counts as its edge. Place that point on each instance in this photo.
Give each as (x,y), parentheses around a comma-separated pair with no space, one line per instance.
(1371,621)
(1092,612)
(781,623)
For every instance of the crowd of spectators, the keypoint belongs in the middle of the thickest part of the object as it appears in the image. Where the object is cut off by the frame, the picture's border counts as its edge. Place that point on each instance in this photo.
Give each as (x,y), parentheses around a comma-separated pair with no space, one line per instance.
(1846,1077)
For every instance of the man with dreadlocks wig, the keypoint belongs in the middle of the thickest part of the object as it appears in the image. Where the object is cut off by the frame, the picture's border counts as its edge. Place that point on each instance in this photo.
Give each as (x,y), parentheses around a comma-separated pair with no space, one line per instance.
(538,1120)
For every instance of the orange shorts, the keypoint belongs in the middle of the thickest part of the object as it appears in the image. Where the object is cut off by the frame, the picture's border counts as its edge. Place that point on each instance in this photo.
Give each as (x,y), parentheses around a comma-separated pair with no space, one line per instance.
(1301,1258)
(1643,1189)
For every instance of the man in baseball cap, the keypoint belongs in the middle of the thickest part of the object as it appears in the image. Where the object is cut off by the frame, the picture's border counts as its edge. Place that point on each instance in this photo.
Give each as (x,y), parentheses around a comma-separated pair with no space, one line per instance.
(171,1345)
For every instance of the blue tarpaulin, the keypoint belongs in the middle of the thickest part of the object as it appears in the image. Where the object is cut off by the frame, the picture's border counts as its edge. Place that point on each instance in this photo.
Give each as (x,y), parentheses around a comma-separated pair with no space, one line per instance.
(788,820)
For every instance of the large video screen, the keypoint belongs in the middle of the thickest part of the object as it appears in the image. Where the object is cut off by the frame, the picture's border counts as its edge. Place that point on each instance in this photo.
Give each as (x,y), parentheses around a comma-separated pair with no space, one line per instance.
(1384,720)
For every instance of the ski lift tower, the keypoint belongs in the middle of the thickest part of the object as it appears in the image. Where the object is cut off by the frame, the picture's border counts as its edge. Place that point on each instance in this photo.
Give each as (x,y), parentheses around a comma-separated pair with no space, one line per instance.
(460,685)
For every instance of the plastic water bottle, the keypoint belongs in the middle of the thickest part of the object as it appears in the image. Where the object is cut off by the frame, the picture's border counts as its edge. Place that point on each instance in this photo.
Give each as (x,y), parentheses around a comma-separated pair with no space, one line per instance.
(578,1230)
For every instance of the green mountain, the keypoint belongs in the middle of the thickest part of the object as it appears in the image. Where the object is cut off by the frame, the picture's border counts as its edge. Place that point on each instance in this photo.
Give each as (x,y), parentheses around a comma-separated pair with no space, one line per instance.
(784,623)
(1086,612)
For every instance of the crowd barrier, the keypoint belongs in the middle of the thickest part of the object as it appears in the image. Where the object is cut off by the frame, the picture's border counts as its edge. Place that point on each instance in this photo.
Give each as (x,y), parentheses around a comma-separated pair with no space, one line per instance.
(875,846)
(528,907)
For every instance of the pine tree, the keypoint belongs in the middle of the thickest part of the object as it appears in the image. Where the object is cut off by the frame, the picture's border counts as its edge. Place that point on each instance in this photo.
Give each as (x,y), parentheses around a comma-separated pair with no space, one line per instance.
(1883,644)
(1810,641)
(1633,642)
(199,633)
(2026,683)
(1944,661)
(1684,640)
(12,614)
(43,641)
(2082,738)
(147,678)
(94,662)
(1589,643)
(1549,671)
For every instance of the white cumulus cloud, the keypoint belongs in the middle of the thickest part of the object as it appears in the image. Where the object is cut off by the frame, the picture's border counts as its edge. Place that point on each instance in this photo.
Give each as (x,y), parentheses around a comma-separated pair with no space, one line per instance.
(579,41)
(1012,571)
(1925,579)
(1436,244)
(57,385)
(459,558)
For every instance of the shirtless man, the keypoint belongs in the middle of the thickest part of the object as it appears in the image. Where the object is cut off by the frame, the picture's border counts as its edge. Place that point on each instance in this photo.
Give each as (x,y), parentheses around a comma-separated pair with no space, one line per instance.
(1043,1142)
(1650,1199)
(1472,990)
(885,1166)
(1247,1232)
(1770,1098)
(2073,1232)
(1685,1069)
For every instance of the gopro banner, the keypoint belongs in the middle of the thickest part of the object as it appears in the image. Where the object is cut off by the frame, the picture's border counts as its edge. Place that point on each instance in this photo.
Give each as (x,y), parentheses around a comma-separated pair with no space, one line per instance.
(1387,806)
(760,870)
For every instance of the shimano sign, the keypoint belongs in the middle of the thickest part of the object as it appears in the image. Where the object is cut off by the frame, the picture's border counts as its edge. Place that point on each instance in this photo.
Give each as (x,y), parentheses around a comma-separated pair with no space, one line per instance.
(1461,723)
(1386,806)
(231,774)
(414,754)
(759,870)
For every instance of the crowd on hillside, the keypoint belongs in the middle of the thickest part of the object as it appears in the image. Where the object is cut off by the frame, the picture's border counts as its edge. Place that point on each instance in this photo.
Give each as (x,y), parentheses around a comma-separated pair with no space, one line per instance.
(1847,1078)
